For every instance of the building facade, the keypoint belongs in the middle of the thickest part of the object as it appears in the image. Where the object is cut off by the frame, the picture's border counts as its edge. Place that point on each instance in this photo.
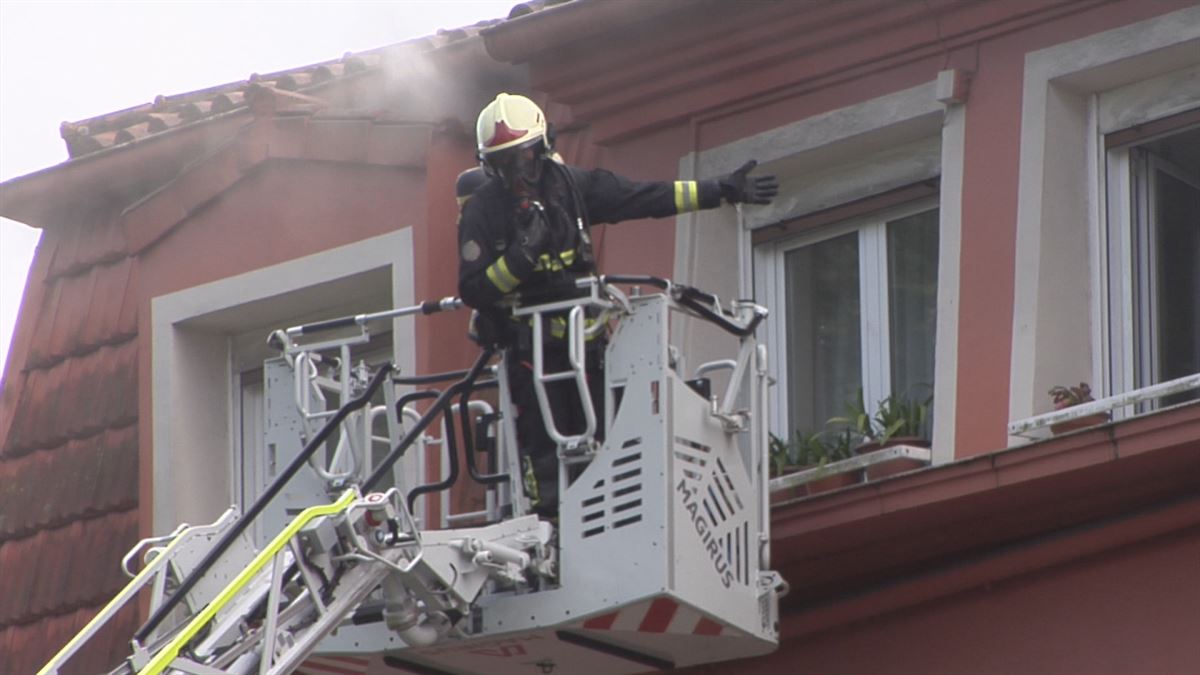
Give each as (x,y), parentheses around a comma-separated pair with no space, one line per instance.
(979,201)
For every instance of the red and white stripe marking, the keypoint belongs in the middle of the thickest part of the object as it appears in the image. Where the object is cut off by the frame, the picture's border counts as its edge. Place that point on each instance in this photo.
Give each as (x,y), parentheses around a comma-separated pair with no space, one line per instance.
(661,615)
(334,665)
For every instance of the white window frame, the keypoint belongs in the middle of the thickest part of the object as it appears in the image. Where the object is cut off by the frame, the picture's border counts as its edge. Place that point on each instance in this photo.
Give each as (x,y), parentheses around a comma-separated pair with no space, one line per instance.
(771,278)
(1132,347)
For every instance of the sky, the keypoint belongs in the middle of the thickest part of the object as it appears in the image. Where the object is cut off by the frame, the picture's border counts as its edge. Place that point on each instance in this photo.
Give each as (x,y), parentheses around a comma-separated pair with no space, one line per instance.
(71,60)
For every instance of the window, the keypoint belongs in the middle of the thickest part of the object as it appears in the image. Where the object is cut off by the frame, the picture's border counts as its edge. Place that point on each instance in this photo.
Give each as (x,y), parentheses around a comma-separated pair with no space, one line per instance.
(1154,258)
(1073,301)
(859,311)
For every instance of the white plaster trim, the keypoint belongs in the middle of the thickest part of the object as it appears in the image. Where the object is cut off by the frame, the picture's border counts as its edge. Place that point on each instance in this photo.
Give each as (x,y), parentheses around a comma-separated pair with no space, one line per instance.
(870,174)
(1140,102)
(824,130)
(1091,64)
(171,313)
(945,365)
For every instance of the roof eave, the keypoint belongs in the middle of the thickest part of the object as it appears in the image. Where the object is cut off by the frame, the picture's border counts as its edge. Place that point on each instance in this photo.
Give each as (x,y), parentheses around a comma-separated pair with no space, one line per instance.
(47,198)
(520,39)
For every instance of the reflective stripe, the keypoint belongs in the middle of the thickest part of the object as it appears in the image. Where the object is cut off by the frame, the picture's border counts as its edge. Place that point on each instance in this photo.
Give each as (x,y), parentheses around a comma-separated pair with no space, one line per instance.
(500,277)
(686,196)
(564,260)
(558,328)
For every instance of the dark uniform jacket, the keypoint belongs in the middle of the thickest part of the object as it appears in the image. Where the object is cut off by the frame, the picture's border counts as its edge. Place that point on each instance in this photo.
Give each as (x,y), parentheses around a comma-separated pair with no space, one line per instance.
(490,267)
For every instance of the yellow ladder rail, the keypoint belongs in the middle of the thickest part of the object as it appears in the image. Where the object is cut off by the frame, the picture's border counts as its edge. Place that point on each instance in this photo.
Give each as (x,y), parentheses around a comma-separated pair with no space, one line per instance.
(169,653)
(181,535)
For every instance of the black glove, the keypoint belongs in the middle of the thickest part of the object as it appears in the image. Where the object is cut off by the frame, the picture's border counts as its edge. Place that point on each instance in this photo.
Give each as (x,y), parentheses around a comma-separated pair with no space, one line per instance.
(738,187)
(533,230)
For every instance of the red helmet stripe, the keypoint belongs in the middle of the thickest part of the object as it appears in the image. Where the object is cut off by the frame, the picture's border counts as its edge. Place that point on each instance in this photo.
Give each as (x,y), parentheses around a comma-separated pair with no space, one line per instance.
(501,134)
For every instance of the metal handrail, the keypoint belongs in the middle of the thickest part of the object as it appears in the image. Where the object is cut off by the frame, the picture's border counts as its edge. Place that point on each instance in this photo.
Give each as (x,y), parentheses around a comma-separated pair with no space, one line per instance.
(1104,405)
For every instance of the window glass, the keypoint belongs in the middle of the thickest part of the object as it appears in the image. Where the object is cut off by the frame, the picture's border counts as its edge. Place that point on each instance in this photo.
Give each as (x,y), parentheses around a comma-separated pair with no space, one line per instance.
(824,347)
(1164,261)
(1174,279)
(1178,235)
(912,254)
(861,312)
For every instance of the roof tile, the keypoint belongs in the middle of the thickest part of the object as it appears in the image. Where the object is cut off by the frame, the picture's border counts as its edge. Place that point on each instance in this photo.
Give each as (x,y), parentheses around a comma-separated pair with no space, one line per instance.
(76,397)
(49,574)
(87,480)
(27,432)
(167,113)
(66,241)
(73,304)
(16,580)
(62,569)
(9,495)
(110,645)
(127,321)
(39,347)
(94,238)
(116,473)
(103,322)
(33,645)
(27,504)
(25,648)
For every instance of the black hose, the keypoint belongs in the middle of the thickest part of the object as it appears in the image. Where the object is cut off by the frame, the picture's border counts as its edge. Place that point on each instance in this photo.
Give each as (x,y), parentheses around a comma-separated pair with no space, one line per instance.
(426,419)
(635,279)
(259,504)
(690,298)
(464,413)
(430,379)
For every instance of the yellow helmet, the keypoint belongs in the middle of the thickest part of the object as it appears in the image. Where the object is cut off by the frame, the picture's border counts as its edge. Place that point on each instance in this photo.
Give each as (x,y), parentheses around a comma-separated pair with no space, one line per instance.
(509,121)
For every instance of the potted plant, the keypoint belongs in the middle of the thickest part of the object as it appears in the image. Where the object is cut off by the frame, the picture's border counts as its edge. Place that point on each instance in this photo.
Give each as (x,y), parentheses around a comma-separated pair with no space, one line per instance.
(833,445)
(1066,397)
(898,419)
(813,450)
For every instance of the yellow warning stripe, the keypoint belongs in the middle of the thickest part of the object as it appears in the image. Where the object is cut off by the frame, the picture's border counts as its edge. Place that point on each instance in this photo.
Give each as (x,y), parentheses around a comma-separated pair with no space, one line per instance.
(168,654)
(686,196)
(500,276)
(548,262)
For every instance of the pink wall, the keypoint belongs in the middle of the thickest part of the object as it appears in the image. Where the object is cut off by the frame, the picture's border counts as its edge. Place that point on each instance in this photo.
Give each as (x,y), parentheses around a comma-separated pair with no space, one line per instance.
(1132,610)
(282,211)
(1135,610)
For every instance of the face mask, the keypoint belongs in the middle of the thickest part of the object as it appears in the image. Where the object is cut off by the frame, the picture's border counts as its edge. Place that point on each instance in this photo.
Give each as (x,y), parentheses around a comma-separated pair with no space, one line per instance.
(519,168)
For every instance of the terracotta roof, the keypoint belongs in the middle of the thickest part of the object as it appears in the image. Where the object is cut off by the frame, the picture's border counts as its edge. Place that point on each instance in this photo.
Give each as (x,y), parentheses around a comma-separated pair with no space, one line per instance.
(167,113)
(69,461)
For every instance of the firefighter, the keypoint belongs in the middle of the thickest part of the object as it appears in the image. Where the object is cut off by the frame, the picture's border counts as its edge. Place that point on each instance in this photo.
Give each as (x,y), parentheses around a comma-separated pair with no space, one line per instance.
(526,230)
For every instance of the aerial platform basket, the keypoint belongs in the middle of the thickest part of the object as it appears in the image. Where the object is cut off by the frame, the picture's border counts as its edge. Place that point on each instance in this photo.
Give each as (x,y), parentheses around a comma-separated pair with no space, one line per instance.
(663,540)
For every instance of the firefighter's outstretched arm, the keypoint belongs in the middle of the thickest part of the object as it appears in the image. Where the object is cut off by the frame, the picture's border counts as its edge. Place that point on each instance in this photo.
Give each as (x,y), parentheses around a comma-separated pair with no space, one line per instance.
(611,198)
